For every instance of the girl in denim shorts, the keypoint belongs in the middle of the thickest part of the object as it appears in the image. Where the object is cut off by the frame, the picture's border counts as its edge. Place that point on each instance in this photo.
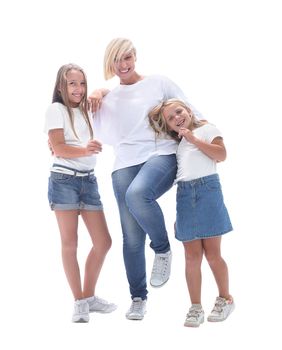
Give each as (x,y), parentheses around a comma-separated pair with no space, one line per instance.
(202,217)
(73,188)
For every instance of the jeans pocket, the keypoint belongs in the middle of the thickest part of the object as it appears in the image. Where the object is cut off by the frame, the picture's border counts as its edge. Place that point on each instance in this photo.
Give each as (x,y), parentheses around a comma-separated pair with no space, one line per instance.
(213,185)
(60,178)
(92,179)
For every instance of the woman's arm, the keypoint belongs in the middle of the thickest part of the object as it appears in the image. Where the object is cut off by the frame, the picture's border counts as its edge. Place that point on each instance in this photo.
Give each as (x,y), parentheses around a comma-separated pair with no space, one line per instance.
(61,149)
(95,99)
(215,150)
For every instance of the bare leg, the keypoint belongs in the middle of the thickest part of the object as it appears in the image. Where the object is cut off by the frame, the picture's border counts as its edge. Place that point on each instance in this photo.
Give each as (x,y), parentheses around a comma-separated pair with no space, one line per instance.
(98,230)
(217,265)
(193,258)
(68,224)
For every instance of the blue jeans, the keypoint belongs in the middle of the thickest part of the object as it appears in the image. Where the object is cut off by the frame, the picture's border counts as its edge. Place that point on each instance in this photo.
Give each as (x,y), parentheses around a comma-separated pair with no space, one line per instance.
(136,190)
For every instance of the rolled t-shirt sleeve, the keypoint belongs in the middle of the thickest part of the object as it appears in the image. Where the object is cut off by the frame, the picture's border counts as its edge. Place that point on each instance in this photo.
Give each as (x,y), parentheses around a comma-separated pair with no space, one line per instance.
(211,133)
(54,118)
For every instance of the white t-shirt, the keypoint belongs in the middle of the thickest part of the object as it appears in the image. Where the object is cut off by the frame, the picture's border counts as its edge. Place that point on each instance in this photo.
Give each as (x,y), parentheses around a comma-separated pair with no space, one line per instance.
(123,120)
(57,118)
(193,163)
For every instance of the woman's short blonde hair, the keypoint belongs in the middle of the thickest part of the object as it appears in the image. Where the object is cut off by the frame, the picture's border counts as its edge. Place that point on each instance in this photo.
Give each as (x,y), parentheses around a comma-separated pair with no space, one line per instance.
(114,51)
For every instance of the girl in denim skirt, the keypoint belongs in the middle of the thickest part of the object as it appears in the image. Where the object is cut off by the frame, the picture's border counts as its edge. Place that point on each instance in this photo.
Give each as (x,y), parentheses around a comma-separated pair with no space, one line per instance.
(202,217)
(73,188)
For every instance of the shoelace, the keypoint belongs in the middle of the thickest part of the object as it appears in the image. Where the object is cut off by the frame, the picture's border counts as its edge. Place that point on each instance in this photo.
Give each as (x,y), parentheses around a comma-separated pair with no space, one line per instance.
(80,308)
(160,267)
(194,313)
(136,306)
(219,304)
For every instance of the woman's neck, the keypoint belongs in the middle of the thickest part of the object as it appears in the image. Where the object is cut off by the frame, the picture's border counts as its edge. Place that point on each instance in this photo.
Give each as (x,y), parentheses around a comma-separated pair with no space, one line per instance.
(132,79)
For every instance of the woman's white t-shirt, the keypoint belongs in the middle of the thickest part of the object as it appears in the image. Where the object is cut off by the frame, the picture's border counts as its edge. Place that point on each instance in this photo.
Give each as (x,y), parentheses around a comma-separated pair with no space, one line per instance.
(123,120)
(193,163)
(57,118)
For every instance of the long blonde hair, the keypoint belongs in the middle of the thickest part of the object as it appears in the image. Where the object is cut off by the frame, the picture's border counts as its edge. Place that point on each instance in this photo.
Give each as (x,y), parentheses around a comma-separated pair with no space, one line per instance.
(114,51)
(158,121)
(60,95)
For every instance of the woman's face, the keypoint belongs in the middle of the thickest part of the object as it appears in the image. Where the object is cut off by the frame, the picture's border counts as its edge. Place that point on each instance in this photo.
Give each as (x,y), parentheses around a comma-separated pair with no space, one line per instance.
(177,117)
(75,87)
(125,68)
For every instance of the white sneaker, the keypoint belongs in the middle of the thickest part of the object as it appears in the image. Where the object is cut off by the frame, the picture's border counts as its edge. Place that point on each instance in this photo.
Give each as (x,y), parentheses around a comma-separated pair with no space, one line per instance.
(161,269)
(137,309)
(195,316)
(222,309)
(81,311)
(100,305)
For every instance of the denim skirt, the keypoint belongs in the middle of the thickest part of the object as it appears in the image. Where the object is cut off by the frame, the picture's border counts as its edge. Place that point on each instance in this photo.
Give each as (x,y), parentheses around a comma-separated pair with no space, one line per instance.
(201,212)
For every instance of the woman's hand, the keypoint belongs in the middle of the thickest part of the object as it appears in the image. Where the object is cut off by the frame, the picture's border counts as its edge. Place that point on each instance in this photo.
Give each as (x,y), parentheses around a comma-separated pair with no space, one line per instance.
(95,99)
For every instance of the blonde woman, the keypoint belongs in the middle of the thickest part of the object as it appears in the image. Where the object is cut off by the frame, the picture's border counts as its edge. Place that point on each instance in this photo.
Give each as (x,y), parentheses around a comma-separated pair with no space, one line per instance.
(144,168)
(202,217)
(73,188)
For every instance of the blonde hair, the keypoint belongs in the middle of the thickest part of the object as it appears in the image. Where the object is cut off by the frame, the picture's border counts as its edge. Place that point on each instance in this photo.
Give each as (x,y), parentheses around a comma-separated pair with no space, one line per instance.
(114,51)
(159,123)
(60,95)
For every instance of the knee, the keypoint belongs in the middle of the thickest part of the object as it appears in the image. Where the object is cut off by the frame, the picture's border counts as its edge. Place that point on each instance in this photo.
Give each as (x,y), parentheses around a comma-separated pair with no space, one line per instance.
(104,246)
(133,196)
(193,258)
(69,246)
(212,258)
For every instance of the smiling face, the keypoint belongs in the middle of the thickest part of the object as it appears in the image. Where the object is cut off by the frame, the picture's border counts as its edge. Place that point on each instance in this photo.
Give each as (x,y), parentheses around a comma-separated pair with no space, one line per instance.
(176,117)
(124,68)
(76,87)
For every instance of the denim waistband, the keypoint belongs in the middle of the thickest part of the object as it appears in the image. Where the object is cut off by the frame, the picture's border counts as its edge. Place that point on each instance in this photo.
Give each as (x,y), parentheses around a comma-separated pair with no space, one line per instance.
(58,168)
(198,181)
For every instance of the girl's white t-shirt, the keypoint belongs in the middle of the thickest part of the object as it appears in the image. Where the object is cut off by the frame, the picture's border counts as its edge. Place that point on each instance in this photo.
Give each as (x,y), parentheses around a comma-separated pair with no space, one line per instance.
(123,120)
(57,118)
(193,163)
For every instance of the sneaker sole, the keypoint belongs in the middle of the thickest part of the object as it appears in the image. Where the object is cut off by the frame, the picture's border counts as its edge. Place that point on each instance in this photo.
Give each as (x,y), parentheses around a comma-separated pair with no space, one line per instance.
(135,318)
(158,285)
(102,312)
(81,320)
(194,325)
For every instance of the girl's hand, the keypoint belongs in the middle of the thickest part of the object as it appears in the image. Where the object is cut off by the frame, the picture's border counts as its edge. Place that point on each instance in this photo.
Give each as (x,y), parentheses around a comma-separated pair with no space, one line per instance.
(189,136)
(50,147)
(93,147)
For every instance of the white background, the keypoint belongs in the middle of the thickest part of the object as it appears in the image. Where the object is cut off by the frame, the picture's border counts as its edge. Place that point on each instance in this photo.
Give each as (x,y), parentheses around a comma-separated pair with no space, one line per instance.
(226,57)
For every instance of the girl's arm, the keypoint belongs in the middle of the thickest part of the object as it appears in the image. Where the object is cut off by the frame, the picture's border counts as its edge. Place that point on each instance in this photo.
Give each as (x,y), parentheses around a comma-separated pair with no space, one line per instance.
(61,149)
(95,99)
(215,150)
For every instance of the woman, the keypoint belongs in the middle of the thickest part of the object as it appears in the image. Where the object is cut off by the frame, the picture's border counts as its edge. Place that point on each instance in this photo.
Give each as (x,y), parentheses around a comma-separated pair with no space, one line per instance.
(144,167)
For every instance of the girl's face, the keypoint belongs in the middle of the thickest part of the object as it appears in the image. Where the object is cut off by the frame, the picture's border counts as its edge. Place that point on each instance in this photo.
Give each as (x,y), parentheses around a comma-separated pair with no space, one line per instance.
(125,68)
(75,87)
(177,117)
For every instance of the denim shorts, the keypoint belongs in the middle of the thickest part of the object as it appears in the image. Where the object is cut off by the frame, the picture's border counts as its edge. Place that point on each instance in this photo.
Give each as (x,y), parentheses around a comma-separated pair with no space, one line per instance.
(201,212)
(70,192)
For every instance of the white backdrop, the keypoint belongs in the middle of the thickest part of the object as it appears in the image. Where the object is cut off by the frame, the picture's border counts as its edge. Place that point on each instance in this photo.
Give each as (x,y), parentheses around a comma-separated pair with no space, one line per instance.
(226,57)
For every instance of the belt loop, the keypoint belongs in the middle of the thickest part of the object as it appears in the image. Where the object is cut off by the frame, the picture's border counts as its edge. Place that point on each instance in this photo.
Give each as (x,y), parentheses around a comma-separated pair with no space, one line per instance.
(75,172)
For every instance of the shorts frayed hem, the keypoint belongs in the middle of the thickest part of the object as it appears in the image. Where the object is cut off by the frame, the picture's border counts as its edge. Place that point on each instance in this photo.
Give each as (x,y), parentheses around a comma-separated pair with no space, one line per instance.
(80,207)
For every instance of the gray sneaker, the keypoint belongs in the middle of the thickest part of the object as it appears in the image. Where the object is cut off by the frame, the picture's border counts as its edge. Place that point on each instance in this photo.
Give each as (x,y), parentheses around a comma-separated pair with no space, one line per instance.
(222,309)
(137,309)
(195,316)
(81,311)
(161,269)
(100,305)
